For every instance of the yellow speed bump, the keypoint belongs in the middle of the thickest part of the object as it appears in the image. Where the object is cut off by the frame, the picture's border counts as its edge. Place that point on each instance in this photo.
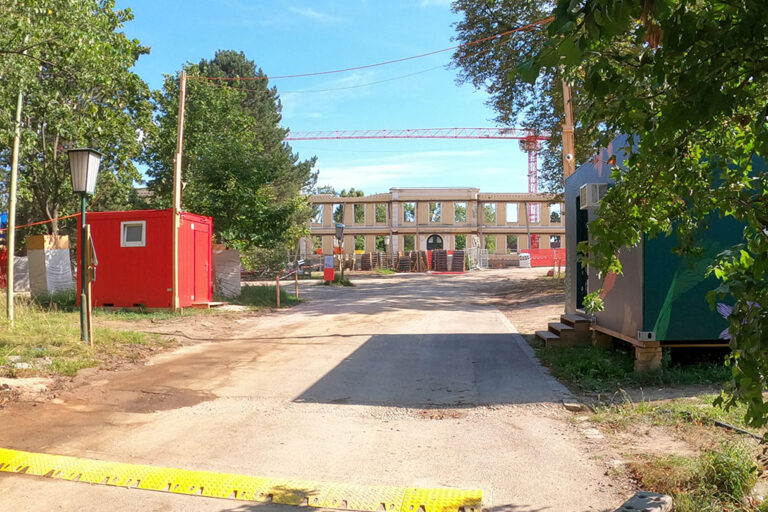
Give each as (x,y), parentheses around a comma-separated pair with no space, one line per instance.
(241,487)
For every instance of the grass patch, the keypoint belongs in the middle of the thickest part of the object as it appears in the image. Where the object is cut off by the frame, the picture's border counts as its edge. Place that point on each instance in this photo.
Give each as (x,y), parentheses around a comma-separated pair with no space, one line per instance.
(338,281)
(592,369)
(46,341)
(682,411)
(129,314)
(264,296)
(385,271)
(60,301)
(719,479)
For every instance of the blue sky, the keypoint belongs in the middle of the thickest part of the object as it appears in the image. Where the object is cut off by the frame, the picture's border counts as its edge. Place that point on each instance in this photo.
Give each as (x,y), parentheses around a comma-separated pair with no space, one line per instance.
(292,37)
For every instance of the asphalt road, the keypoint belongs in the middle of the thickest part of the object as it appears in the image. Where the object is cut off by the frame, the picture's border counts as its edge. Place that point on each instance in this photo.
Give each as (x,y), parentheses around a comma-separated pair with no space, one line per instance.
(404,380)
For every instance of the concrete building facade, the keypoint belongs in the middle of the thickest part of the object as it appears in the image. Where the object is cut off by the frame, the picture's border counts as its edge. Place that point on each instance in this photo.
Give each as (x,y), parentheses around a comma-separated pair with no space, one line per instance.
(438,218)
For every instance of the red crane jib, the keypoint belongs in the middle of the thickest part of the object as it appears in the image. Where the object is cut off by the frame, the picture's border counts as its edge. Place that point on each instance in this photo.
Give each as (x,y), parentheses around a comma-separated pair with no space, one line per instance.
(529,142)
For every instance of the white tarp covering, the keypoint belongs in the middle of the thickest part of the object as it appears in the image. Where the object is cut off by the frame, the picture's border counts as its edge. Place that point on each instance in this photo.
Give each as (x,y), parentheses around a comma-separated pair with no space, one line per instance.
(50,271)
(226,269)
(21,274)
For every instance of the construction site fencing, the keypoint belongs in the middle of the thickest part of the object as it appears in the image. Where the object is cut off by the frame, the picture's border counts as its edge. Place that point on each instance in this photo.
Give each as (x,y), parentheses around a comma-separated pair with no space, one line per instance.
(478,256)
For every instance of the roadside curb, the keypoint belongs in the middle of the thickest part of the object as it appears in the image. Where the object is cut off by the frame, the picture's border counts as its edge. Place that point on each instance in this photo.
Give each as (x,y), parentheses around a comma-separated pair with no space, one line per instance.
(561,393)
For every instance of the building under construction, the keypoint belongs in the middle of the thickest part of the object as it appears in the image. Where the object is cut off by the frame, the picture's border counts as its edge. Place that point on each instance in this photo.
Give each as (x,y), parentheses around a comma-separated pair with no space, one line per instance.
(425,219)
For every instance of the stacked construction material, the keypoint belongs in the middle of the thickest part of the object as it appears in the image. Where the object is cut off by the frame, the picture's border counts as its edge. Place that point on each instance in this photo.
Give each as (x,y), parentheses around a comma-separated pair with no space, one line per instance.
(422,262)
(374,260)
(226,270)
(50,270)
(383,260)
(404,263)
(440,260)
(365,262)
(457,265)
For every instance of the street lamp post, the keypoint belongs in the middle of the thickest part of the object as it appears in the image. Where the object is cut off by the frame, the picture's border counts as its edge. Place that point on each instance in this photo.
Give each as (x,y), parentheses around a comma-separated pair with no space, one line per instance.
(340,237)
(387,239)
(84,166)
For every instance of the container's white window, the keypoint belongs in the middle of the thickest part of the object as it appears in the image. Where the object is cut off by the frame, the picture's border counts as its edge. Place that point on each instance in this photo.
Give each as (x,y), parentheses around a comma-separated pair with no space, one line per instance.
(133,233)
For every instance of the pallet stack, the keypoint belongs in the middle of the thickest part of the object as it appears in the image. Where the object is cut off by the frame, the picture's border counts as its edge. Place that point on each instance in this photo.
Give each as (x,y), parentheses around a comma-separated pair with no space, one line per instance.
(365,262)
(440,260)
(383,260)
(457,265)
(404,263)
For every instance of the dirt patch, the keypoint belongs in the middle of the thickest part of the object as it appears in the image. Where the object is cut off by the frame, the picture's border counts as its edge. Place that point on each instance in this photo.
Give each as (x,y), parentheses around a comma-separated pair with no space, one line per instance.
(530,299)
(440,414)
(654,440)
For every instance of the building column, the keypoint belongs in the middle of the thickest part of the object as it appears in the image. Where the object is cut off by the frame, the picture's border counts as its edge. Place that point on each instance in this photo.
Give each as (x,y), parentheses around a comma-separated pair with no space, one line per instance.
(370,243)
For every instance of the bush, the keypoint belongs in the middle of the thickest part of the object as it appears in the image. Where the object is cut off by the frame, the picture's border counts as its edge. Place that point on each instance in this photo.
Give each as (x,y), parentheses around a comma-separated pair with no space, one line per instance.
(266,260)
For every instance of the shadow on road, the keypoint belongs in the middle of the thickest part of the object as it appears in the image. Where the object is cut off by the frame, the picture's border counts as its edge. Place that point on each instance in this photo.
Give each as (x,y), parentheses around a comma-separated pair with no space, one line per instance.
(433,370)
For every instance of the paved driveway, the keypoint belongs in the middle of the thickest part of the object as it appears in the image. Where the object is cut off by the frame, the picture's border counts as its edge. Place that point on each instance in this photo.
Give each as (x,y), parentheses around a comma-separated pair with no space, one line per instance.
(404,380)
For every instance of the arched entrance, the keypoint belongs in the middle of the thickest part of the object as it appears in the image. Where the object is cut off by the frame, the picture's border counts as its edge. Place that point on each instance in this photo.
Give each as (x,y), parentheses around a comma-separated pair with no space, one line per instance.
(434,242)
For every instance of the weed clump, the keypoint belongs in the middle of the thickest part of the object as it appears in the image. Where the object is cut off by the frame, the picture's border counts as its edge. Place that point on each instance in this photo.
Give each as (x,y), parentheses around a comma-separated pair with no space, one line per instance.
(717,480)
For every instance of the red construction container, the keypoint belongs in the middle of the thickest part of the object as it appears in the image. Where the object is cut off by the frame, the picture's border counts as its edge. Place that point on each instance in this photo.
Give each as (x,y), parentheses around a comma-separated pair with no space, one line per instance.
(134,251)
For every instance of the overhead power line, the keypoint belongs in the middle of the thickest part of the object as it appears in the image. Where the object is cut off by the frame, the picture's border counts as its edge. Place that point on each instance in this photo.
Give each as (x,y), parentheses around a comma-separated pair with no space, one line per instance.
(523,28)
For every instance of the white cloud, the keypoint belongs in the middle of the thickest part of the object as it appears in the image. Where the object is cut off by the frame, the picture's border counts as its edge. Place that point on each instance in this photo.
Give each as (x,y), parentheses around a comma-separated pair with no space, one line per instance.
(314,15)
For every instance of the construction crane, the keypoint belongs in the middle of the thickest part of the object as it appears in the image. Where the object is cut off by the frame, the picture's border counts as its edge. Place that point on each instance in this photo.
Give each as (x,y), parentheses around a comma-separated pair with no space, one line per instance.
(529,142)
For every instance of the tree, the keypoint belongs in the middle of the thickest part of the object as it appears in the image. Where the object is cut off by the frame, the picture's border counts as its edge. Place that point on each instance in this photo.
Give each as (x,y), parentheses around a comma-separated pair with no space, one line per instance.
(73,67)
(460,212)
(352,193)
(237,169)
(689,80)
(490,64)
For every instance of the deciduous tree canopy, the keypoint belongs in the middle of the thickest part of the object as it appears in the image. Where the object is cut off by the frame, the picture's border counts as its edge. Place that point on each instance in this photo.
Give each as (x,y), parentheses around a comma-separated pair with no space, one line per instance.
(688,79)
(73,67)
(236,166)
(490,65)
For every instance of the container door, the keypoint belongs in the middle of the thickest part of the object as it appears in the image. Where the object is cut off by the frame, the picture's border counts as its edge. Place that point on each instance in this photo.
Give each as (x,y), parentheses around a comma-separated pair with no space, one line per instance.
(202,287)
(582,235)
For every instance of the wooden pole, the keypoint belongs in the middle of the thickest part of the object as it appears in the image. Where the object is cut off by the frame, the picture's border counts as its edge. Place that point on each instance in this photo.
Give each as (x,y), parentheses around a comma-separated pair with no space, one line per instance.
(11,232)
(277,290)
(296,280)
(569,149)
(177,188)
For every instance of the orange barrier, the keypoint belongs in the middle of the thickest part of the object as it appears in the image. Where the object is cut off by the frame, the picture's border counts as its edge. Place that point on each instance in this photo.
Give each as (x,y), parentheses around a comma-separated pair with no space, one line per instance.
(546,257)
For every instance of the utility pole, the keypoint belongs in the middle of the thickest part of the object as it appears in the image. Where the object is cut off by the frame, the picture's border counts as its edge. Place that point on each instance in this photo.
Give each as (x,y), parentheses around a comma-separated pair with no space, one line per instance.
(177,188)
(569,150)
(11,233)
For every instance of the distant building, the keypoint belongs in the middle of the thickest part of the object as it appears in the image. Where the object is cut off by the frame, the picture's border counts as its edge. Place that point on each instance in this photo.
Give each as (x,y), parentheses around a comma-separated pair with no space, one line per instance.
(438,218)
